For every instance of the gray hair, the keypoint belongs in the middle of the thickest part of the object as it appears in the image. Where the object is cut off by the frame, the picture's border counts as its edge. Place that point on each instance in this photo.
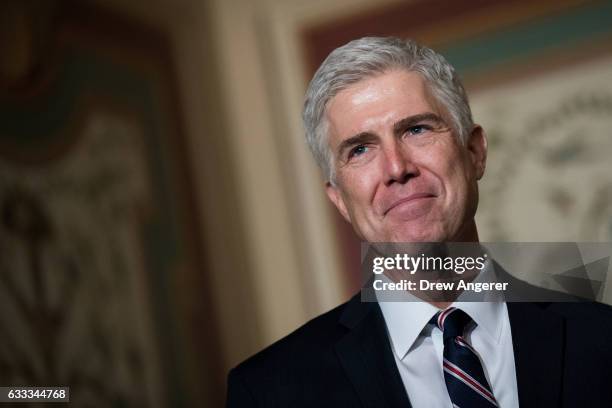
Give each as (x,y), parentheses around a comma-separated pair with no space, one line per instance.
(371,56)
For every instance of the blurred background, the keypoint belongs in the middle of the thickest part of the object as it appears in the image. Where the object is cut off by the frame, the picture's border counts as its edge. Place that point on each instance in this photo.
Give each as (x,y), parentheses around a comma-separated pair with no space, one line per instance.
(160,216)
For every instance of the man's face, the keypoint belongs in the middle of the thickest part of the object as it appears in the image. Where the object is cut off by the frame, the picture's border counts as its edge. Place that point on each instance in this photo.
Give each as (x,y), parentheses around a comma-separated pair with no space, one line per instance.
(402,175)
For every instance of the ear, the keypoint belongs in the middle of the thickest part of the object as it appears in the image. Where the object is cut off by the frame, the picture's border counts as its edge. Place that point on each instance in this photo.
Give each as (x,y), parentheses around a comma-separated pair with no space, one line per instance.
(335,196)
(477,148)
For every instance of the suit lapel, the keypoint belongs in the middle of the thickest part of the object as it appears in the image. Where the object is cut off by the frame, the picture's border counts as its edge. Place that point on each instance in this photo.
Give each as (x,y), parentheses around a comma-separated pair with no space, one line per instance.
(538,337)
(367,359)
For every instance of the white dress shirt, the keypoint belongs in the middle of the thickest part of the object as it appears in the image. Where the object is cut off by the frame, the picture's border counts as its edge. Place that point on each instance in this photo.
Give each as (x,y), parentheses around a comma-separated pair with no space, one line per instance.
(418,346)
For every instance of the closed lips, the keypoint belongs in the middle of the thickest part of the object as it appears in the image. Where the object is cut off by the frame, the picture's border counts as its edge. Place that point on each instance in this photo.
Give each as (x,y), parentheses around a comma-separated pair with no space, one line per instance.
(411,197)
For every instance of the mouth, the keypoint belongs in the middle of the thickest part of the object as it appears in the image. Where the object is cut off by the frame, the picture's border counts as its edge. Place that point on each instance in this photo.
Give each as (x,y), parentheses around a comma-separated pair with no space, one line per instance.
(409,200)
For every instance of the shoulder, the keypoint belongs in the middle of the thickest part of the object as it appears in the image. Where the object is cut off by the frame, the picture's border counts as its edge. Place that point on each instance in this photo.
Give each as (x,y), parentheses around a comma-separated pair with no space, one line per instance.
(292,370)
(587,340)
(571,310)
(315,338)
(592,320)
(582,310)
(588,324)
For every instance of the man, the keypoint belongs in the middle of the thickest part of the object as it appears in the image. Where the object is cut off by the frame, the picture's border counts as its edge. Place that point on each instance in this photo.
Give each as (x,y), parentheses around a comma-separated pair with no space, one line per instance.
(389,123)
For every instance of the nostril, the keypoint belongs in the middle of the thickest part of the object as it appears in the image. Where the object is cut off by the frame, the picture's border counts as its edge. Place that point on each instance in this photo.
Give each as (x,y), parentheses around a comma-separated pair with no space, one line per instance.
(403,177)
(407,176)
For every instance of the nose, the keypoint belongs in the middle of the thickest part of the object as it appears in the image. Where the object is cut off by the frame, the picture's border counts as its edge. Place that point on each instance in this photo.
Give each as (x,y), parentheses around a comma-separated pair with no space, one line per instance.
(398,166)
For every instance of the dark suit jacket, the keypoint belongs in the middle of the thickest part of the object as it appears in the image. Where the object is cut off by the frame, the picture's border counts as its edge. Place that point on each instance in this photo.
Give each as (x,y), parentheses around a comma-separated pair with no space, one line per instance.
(343,358)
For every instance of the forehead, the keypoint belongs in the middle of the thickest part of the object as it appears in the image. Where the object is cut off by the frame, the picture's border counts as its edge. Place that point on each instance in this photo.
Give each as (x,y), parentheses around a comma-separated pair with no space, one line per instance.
(378,101)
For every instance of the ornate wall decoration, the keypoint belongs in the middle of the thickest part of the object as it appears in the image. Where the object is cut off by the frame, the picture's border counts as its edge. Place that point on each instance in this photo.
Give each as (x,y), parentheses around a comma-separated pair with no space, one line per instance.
(102,283)
(549,173)
(75,307)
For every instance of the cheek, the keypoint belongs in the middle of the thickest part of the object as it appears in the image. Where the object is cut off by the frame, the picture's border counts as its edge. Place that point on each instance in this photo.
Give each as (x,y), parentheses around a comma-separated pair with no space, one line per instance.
(452,174)
(459,190)
(464,191)
(360,187)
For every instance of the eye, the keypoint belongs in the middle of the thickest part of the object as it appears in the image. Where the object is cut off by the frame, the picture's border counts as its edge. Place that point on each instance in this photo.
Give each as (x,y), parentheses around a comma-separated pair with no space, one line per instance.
(417,129)
(358,151)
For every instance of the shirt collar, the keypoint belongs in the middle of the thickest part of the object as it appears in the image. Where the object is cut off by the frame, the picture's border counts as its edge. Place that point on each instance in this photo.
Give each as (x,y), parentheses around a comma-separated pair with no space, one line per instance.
(405,321)
(407,318)
(488,313)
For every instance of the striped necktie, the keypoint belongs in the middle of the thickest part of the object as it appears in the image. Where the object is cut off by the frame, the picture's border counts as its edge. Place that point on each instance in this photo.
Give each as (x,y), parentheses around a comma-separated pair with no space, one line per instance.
(465,380)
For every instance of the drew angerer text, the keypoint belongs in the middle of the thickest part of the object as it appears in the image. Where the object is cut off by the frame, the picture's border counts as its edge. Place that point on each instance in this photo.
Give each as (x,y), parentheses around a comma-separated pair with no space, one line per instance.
(426,285)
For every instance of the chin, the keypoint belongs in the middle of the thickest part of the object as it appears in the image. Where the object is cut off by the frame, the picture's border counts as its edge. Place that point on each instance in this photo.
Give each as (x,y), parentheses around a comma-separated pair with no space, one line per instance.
(427,229)
(425,236)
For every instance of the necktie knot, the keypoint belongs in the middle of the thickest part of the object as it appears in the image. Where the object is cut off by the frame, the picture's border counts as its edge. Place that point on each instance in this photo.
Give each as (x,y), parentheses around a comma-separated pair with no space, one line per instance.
(452,322)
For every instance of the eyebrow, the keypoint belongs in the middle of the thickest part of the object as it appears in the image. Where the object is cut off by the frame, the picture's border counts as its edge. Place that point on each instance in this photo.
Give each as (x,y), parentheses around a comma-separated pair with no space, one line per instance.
(398,128)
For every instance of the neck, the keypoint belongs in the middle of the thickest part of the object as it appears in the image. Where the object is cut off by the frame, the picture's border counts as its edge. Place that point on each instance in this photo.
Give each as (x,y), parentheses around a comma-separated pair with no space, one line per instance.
(469,233)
